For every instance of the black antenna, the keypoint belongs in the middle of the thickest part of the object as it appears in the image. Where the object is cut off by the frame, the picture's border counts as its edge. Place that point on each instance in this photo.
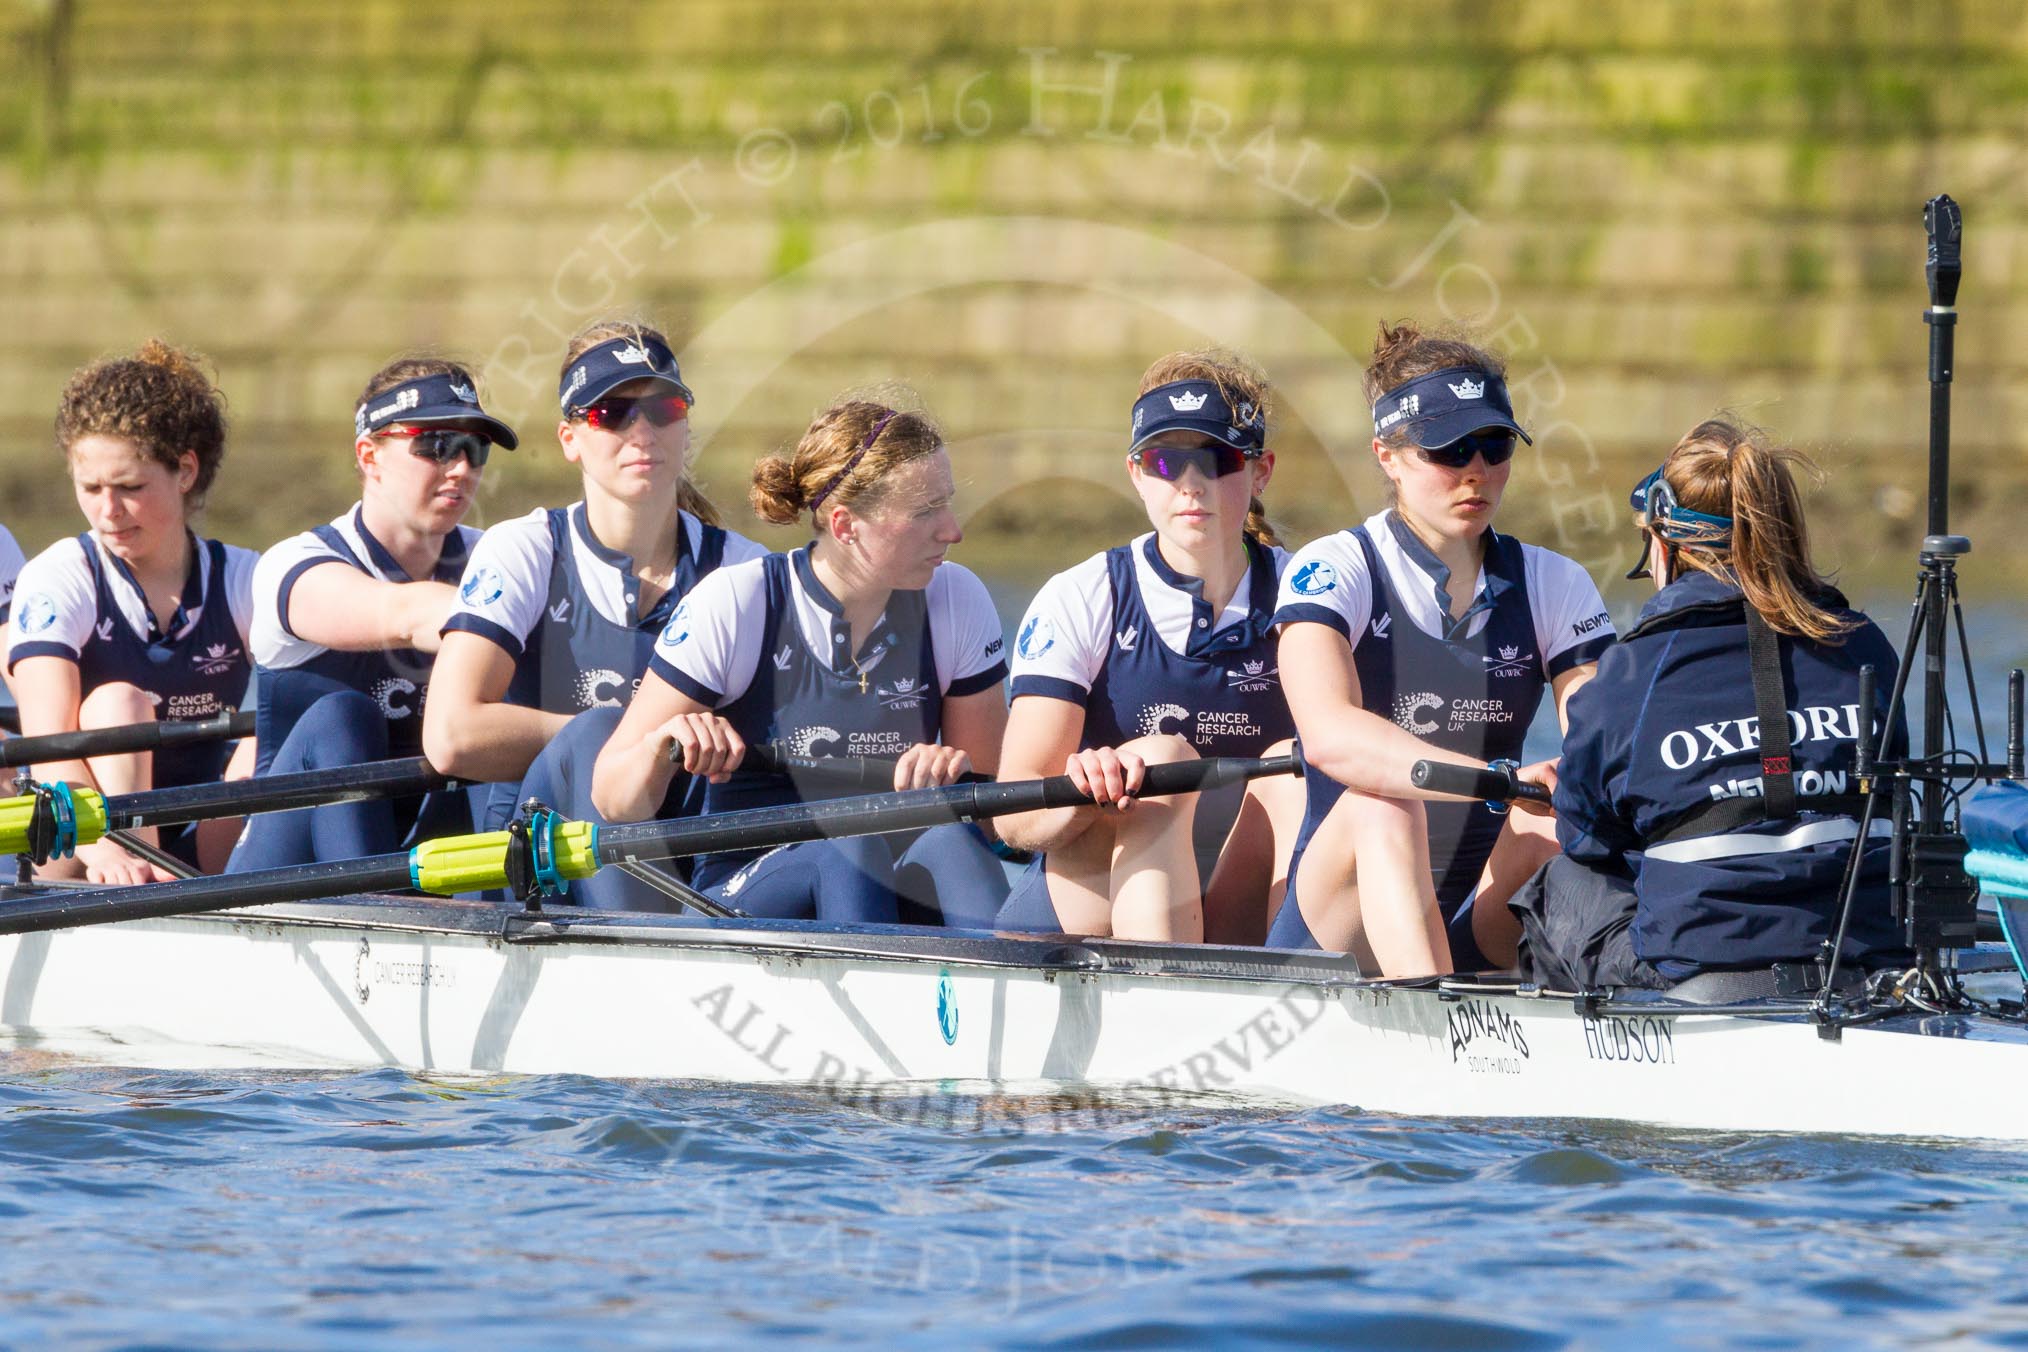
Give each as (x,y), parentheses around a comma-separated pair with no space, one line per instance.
(1935,901)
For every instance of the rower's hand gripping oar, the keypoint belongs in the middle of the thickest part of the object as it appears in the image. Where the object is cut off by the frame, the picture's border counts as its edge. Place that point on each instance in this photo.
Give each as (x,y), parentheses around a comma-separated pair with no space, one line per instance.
(54,819)
(1493,783)
(547,853)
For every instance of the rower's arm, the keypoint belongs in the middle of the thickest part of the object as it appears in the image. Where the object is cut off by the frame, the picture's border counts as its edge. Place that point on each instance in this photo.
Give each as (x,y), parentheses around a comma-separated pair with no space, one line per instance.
(977,725)
(1042,734)
(49,692)
(635,768)
(336,606)
(1565,685)
(1358,748)
(469,729)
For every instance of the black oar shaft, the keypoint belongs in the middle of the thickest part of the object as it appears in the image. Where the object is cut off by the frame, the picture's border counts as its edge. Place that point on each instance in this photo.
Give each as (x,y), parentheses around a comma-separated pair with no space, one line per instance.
(465,863)
(59,746)
(873,814)
(862,774)
(272,793)
(301,882)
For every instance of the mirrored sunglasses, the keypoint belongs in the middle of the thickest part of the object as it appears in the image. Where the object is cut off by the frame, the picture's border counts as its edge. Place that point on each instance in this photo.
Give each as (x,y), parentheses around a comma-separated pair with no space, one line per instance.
(1495,445)
(1169,462)
(615,413)
(443,445)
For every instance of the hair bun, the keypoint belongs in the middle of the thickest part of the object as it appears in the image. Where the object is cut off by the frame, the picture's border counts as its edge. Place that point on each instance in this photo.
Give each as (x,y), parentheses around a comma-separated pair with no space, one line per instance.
(776,497)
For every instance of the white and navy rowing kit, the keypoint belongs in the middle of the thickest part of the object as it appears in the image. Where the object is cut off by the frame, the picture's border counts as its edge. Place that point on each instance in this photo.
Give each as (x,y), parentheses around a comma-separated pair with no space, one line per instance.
(767,646)
(1470,684)
(1134,643)
(77,602)
(568,610)
(295,673)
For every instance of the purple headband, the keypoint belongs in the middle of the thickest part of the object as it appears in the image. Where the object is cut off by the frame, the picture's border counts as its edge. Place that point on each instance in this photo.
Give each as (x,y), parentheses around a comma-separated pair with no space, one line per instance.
(857,456)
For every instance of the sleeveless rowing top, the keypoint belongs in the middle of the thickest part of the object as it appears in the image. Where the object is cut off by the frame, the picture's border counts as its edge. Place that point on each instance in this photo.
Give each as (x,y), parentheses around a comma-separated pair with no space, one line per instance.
(578,659)
(397,679)
(1474,695)
(816,707)
(200,674)
(1222,694)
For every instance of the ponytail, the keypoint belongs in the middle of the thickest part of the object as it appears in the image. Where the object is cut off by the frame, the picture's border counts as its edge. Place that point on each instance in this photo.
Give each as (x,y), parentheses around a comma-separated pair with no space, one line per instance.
(690,498)
(1259,527)
(1726,468)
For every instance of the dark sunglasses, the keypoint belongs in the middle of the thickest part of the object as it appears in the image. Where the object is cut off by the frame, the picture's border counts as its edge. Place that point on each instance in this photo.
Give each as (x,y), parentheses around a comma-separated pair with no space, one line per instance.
(444,445)
(1169,462)
(615,413)
(1496,445)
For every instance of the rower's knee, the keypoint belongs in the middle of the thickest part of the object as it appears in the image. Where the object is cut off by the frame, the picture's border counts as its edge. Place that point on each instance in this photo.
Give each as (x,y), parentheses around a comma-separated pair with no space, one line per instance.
(1153,813)
(114,705)
(1365,817)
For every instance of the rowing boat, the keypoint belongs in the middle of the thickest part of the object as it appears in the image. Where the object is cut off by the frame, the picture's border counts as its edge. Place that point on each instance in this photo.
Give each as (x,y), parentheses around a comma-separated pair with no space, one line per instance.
(310,967)
(462,988)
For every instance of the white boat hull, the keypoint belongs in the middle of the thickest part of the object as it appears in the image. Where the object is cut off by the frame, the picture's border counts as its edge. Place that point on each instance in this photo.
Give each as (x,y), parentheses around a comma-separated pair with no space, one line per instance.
(441,987)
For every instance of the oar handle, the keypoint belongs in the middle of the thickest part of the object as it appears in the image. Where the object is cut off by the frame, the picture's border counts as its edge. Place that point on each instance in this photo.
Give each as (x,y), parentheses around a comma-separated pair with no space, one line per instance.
(1467,781)
(57,746)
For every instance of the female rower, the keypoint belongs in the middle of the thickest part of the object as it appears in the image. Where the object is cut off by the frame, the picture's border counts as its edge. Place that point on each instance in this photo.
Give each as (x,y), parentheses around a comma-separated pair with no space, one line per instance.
(137,618)
(558,610)
(1424,634)
(1158,650)
(862,642)
(1693,839)
(347,616)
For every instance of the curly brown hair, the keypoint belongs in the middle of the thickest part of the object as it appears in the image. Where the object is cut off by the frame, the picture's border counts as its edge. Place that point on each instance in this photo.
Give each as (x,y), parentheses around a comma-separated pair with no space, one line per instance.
(161,399)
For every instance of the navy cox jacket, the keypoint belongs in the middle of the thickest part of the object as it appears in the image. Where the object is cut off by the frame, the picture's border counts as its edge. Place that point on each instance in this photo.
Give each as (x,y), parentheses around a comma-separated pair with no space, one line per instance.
(1668,726)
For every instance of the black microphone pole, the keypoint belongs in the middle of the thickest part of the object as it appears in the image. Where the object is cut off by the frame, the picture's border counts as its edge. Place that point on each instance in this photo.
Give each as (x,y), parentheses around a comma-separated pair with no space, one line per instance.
(1944,223)
(1946,226)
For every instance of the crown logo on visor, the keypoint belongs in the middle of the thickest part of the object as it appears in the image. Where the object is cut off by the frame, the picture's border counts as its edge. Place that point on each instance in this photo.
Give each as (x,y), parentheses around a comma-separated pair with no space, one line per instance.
(1469,389)
(633,355)
(464,394)
(1187,403)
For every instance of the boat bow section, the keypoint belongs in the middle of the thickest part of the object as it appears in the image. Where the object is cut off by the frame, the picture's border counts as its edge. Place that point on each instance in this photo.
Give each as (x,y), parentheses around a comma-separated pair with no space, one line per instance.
(459,987)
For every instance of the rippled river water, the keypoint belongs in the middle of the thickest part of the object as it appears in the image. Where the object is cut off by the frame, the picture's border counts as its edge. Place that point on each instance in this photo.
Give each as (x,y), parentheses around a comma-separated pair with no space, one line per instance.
(336,1210)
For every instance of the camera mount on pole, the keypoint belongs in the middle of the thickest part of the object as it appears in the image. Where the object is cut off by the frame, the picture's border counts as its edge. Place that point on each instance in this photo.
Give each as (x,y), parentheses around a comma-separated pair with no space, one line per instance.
(1935,902)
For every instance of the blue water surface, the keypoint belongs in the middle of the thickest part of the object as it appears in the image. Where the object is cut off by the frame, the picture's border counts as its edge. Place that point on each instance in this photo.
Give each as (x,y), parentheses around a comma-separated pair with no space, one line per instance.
(383,1209)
